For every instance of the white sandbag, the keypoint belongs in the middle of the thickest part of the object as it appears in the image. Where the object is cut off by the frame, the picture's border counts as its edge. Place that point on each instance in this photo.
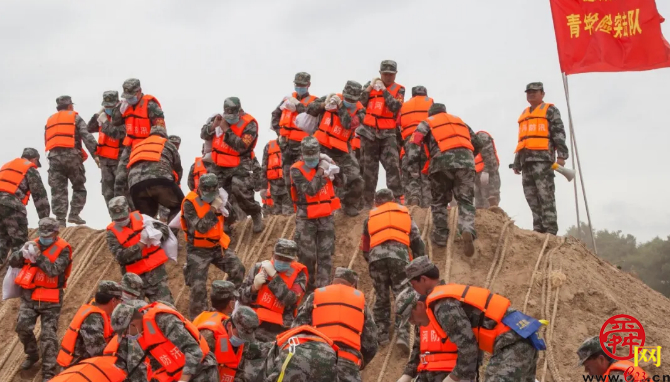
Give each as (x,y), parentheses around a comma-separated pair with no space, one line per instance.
(176,222)
(9,287)
(307,123)
(224,197)
(171,246)
(152,236)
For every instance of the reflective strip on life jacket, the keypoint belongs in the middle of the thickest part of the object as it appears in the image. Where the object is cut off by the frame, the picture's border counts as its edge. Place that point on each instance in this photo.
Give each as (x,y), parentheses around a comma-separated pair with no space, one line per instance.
(150,149)
(274,164)
(534,129)
(215,236)
(436,353)
(450,132)
(136,118)
(67,346)
(390,221)
(94,369)
(267,306)
(339,314)
(324,203)
(153,256)
(60,130)
(12,174)
(377,113)
(412,113)
(287,120)
(224,155)
(45,288)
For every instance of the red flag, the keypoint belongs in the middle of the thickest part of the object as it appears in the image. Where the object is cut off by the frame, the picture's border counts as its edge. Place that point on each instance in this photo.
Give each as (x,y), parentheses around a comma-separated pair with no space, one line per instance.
(609,36)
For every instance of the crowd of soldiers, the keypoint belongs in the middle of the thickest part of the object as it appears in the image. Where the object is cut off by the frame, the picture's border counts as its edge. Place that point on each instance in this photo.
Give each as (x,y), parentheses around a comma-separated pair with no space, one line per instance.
(291,316)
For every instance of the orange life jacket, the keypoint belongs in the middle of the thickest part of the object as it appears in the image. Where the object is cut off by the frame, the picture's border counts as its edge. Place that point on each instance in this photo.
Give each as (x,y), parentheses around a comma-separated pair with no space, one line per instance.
(150,149)
(534,129)
(267,306)
(436,353)
(339,313)
(377,114)
(60,130)
(312,335)
(450,132)
(268,198)
(215,236)
(287,121)
(331,134)
(479,161)
(390,221)
(324,203)
(226,356)
(12,174)
(45,288)
(93,369)
(160,347)
(492,306)
(412,113)
(623,366)
(199,170)
(274,170)
(356,142)
(224,155)
(108,147)
(65,355)
(138,124)
(152,256)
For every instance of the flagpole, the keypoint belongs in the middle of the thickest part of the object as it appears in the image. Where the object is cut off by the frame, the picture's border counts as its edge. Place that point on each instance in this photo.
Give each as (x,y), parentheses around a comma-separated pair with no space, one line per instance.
(573,142)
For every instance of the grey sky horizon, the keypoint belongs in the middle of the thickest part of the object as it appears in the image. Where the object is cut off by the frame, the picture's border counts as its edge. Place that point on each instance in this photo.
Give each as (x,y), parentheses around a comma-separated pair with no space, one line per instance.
(476,59)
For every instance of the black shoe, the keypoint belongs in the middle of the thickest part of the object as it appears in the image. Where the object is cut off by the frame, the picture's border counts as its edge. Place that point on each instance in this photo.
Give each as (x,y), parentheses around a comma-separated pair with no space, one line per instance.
(75,219)
(29,362)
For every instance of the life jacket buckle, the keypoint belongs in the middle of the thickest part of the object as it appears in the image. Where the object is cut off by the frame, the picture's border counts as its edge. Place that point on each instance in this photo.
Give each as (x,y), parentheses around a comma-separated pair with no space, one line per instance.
(292,343)
(422,358)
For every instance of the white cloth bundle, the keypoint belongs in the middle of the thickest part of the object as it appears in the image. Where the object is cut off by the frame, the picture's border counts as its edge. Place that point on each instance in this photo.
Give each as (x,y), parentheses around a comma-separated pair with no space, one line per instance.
(152,236)
(307,123)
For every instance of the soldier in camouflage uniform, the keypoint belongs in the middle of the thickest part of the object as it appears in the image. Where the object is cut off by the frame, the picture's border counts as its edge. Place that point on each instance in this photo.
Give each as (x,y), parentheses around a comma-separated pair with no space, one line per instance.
(238,180)
(451,173)
(279,193)
(155,281)
(128,321)
(66,161)
(487,179)
(48,312)
(264,274)
(597,363)
(514,358)
(153,183)
(387,263)
(379,134)
(199,256)
(14,195)
(417,190)
(163,211)
(132,286)
(347,371)
(534,163)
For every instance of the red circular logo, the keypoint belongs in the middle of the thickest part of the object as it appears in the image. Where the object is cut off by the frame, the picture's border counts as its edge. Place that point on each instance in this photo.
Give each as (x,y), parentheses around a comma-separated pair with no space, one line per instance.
(621,331)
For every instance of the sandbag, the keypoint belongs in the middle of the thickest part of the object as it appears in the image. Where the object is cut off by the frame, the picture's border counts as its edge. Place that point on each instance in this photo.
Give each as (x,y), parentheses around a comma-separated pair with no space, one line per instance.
(9,287)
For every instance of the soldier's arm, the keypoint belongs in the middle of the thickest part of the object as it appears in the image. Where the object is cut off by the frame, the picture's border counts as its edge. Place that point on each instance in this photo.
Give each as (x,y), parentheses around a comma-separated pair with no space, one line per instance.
(93,125)
(517,162)
(155,114)
(242,143)
(191,178)
(176,162)
(16,259)
(264,165)
(455,323)
(365,95)
(194,223)
(317,107)
(38,193)
(415,242)
(123,255)
(557,132)
(394,103)
(488,153)
(304,316)
(89,140)
(117,116)
(369,344)
(301,183)
(476,141)
(165,230)
(114,132)
(121,180)
(247,294)
(175,331)
(288,297)
(209,337)
(207,132)
(92,333)
(345,117)
(276,116)
(413,362)
(365,240)
(57,267)
(415,145)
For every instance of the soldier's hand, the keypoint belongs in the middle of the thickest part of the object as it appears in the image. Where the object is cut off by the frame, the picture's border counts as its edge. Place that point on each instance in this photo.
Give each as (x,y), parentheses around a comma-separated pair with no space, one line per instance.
(269,268)
(561,161)
(260,279)
(216,122)
(517,171)
(97,161)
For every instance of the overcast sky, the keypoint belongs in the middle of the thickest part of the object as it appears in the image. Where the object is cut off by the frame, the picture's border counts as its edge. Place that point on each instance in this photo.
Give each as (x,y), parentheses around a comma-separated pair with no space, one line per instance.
(475,57)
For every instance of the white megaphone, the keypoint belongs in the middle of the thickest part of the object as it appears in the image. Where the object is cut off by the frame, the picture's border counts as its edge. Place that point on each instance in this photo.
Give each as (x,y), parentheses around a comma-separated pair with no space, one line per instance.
(568,173)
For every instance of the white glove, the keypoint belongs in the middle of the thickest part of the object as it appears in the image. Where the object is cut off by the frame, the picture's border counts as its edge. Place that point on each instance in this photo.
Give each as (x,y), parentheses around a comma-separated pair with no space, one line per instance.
(30,251)
(102,117)
(269,268)
(218,131)
(484,178)
(405,378)
(324,165)
(260,279)
(124,106)
(144,237)
(326,158)
(379,85)
(289,103)
(330,106)
(217,203)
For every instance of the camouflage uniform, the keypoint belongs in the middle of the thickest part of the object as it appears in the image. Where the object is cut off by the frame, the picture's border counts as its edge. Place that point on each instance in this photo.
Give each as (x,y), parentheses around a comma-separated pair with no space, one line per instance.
(48,312)
(347,371)
(537,177)
(278,190)
(315,237)
(381,145)
(68,164)
(590,347)
(200,369)
(491,165)
(314,359)
(417,190)
(452,173)
(164,212)
(198,259)
(133,287)
(387,263)
(155,282)
(290,298)
(14,221)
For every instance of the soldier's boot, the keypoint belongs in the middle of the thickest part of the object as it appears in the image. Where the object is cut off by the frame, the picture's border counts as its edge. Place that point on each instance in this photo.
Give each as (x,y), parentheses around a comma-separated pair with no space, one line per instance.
(61,223)
(258,222)
(351,210)
(382,339)
(439,240)
(468,244)
(402,342)
(76,219)
(30,361)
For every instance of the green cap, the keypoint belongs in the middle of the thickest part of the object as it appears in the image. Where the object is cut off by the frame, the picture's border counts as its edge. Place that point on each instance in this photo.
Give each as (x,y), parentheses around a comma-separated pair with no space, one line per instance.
(109,287)
(535,86)
(437,108)
(418,267)
(404,303)
(48,226)
(122,316)
(309,147)
(384,196)
(110,98)
(346,274)
(130,87)
(64,100)
(232,105)
(352,90)
(118,208)
(132,285)
(246,322)
(302,79)
(208,183)
(286,248)
(419,90)
(589,347)
(224,289)
(388,66)
(31,153)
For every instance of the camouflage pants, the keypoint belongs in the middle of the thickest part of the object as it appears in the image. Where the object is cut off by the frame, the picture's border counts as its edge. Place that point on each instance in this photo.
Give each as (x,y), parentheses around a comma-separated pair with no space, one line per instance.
(281,197)
(387,274)
(62,169)
(384,150)
(417,191)
(445,184)
(13,230)
(314,359)
(316,243)
(49,344)
(432,376)
(196,271)
(347,371)
(513,363)
(290,153)
(147,195)
(107,179)
(353,182)
(537,179)
(240,188)
(483,193)
(155,284)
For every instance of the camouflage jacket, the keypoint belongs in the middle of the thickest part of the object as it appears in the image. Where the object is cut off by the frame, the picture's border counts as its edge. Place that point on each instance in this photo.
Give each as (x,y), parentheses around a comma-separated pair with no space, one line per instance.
(125,256)
(393,249)
(289,297)
(488,153)
(144,170)
(195,223)
(243,144)
(347,121)
(257,175)
(130,358)
(91,339)
(393,104)
(448,160)
(80,132)
(314,359)
(311,109)
(32,183)
(556,143)
(304,187)
(368,336)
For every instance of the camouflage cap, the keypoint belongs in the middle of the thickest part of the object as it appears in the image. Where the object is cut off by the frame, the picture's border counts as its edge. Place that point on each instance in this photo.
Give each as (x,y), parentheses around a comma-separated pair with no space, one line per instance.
(302,79)
(31,153)
(118,208)
(132,284)
(309,146)
(388,66)
(231,105)
(158,130)
(208,183)
(175,139)
(286,248)
(419,90)
(109,287)
(64,100)
(222,289)
(383,196)
(437,108)
(346,274)
(417,267)
(535,86)
(130,87)
(352,90)
(122,316)
(589,347)
(110,98)
(47,226)
(246,322)
(404,303)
